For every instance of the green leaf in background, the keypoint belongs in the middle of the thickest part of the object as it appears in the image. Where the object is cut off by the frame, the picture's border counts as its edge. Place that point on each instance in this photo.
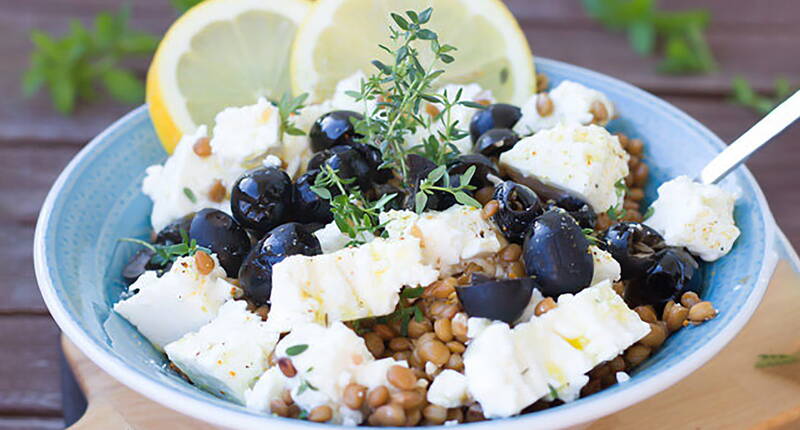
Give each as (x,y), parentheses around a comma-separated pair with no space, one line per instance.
(184,5)
(74,66)
(743,94)
(685,47)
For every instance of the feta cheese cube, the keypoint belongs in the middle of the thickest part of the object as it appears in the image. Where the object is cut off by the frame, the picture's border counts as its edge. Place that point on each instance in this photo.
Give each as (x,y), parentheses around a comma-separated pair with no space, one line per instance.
(166,184)
(180,301)
(605,267)
(449,390)
(496,375)
(243,133)
(572,104)
(587,160)
(226,356)
(373,373)
(331,239)
(697,216)
(349,284)
(269,387)
(450,239)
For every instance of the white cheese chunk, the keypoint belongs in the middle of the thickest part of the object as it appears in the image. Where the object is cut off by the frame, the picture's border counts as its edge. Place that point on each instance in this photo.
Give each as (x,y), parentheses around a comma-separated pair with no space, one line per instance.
(587,160)
(180,301)
(242,133)
(373,374)
(605,267)
(697,216)
(449,390)
(332,359)
(622,377)
(349,284)
(343,101)
(331,239)
(226,356)
(167,184)
(497,377)
(530,309)
(450,239)
(572,104)
(269,387)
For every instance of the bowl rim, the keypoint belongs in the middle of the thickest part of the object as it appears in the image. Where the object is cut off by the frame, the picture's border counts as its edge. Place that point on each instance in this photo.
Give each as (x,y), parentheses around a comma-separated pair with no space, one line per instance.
(555,418)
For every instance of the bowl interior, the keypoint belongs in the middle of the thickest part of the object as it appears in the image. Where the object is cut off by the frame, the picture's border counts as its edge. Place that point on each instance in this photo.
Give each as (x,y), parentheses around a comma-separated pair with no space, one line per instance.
(98,200)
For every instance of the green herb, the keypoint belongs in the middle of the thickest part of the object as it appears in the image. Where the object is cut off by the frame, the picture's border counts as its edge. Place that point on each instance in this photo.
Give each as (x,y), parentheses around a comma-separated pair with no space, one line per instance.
(305,385)
(189,194)
(288,106)
(590,236)
(685,49)
(353,214)
(405,310)
(650,211)
(616,213)
(772,360)
(74,66)
(400,88)
(553,392)
(303,415)
(412,293)
(310,369)
(184,5)
(439,180)
(744,95)
(296,349)
(165,254)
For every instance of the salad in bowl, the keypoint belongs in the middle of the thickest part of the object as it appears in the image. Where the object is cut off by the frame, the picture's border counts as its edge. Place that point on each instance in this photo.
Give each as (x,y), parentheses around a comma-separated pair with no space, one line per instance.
(405,253)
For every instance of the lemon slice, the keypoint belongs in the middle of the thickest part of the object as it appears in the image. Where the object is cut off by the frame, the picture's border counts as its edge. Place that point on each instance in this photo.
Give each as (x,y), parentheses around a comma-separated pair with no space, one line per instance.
(220,53)
(340,37)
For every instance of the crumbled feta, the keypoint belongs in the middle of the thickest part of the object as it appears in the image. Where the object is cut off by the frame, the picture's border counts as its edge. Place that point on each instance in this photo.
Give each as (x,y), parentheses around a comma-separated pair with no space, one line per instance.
(476,325)
(242,133)
(180,301)
(551,353)
(450,239)
(697,216)
(605,267)
(587,160)
(226,356)
(167,184)
(331,239)
(349,284)
(269,387)
(572,103)
(373,374)
(271,161)
(497,377)
(449,389)
(622,377)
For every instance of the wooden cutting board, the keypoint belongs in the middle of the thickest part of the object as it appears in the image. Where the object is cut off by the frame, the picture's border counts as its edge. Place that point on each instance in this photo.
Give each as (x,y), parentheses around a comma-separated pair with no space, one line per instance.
(727,393)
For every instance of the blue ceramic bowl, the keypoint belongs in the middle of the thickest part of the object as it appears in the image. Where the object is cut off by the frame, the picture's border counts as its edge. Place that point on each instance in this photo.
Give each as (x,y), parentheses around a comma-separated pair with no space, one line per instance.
(97,200)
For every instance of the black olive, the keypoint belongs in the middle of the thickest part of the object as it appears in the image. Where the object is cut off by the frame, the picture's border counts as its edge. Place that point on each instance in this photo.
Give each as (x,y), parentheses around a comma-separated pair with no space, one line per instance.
(261,198)
(483,167)
(171,234)
(674,272)
(497,115)
(307,205)
(495,142)
(557,197)
(503,300)
(374,159)
(519,207)
(634,245)
(220,233)
(348,162)
(333,129)
(380,190)
(137,265)
(255,275)
(556,254)
(418,169)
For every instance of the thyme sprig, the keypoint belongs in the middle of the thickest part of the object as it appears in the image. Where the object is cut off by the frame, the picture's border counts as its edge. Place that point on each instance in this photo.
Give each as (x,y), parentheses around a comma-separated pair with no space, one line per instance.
(288,106)
(163,255)
(439,180)
(353,213)
(406,309)
(772,360)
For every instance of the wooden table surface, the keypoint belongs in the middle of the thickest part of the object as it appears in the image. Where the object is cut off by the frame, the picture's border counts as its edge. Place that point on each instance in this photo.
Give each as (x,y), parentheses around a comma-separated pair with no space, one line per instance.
(757,39)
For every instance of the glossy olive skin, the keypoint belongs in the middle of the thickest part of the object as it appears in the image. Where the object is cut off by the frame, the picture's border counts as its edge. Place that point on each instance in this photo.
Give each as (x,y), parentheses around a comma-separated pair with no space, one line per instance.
(503,300)
(374,159)
(171,234)
(333,129)
(483,168)
(674,272)
(418,169)
(634,245)
(498,115)
(307,206)
(495,142)
(519,207)
(556,254)
(348,162)
(261,198)
(554,196)
(255,275)
(137,265)
(220,233)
